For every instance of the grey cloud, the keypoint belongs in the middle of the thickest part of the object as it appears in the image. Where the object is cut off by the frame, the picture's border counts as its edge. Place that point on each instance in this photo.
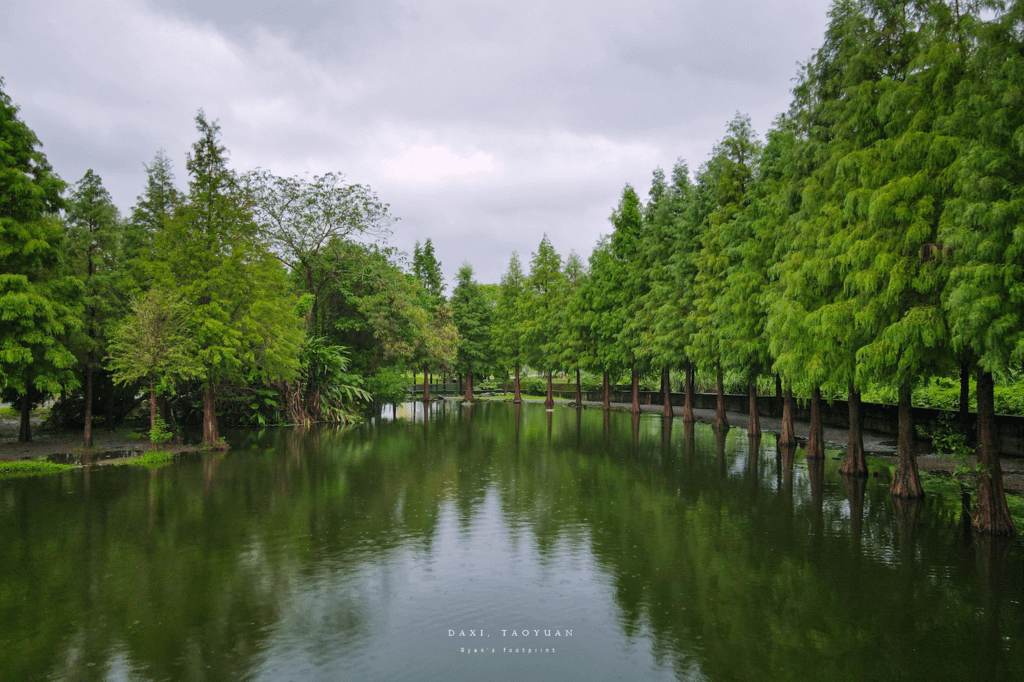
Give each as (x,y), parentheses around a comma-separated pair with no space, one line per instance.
(483,124)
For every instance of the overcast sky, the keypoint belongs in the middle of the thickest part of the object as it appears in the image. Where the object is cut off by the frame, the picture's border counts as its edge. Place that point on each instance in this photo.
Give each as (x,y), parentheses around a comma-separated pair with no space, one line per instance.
(483,124)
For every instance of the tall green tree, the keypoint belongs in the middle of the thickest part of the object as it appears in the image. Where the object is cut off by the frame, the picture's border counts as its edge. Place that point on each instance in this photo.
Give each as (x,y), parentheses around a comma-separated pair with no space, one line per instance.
(94,249)
(981,237)
(632,276)
(242,319)
(508,321)
(725,184)
(38,306)
(473,316)
(541,312)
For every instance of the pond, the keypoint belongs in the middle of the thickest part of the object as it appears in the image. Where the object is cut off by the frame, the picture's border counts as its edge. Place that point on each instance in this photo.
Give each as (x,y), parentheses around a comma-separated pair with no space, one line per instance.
(498,543)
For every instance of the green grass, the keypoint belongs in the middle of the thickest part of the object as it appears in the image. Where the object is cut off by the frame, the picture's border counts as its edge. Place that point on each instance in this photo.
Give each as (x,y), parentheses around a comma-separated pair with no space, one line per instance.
(20,469)
(150,459)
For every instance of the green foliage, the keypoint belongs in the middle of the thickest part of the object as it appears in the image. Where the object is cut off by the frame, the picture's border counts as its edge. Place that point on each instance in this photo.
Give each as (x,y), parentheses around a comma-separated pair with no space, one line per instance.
(231,285)
(38,306)
(473,316)
(427,270)
(388,386)
(160,434)
(507,329)
(542,305)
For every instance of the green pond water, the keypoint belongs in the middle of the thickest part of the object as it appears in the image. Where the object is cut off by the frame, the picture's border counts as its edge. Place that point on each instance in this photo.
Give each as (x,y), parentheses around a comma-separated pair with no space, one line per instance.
(601,547)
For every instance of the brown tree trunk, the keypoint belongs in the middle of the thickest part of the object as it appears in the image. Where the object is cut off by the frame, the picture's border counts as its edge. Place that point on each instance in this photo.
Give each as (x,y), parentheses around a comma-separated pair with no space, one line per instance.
(788,437)
(161,403)
(721,420)
(965,397)
(906,482)
(855,464)
(152,409)
(991,514)
(87,435)
(579,389)
(666,393)
(549,401)
(426,384)
(469,387)
(777,408)
(25,431)
(688,417)
(816,435)
(635,392)
(607,399)
(210,434)
(754,422)
(517,398)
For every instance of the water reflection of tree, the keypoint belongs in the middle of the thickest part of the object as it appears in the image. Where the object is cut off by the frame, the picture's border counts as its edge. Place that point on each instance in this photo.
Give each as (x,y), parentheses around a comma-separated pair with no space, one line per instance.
(690,549)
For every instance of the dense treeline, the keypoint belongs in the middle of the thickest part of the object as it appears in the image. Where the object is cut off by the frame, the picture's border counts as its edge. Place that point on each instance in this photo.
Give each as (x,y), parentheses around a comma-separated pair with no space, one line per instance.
(870,240)
(250,297)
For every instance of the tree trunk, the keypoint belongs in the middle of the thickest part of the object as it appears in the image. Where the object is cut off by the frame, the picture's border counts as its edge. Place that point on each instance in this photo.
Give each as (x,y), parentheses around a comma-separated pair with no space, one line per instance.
(816,435)
(666,393)
(426,385)
(688,417)
(607,400)
(469,388)
(635,392)
(777,408)
(549,401)
(855,463)
(152,408)
(25,432)
(162,405)
(965,397)
(788,437)
(991,514)
(87,435)
(516,398)
(579,389)
(210,434)
(906,482)
(721,420)
(754,422)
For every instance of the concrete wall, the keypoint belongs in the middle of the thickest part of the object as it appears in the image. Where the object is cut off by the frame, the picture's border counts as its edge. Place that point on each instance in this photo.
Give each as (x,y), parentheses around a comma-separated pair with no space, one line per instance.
(877,417)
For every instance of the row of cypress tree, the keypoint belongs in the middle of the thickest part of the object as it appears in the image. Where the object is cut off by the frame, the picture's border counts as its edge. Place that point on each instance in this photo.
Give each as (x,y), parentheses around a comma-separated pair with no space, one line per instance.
(873,237)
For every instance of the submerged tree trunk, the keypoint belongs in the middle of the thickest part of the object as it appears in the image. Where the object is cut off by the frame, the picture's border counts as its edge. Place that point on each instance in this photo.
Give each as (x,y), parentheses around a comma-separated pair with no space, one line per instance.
(754,423)
(721,422)
(469,387)
(666,393)
(688,417)
(991,514)
(579,389)
(516,398)
(906,481)
(635,392)
(607,399)
(855,464)
(426,384)
(87,435)
(788,437)
(210,434)
(25,430)
(816,435)
(549,401)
